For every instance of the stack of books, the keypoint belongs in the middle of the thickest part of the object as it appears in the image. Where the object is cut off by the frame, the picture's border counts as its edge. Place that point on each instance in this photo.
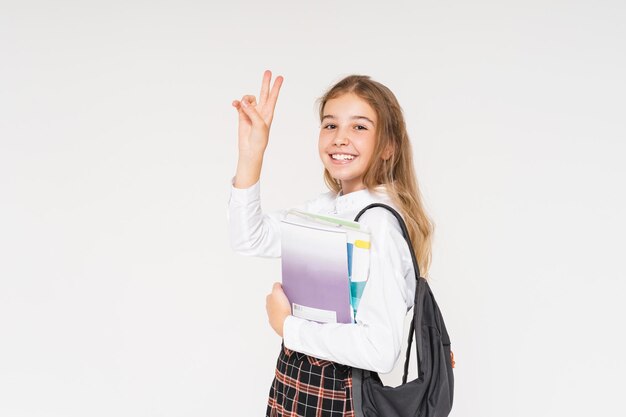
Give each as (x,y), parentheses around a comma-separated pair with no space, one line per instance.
(325,265)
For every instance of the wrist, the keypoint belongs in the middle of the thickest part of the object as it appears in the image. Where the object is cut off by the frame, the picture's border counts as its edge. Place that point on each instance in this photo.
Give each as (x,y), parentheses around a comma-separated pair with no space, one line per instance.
(249,156)
(283,326)
(248,171)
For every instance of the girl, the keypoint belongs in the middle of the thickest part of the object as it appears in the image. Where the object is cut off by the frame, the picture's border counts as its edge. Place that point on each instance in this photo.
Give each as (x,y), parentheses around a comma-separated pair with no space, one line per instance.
(365,149)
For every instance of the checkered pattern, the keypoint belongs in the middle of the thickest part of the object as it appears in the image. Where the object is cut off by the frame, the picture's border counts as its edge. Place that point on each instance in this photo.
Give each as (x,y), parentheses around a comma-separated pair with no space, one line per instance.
(305,386)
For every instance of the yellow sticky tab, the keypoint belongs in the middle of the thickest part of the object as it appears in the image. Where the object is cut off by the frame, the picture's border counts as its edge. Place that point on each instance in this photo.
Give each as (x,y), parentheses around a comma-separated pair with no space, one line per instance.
(362,244)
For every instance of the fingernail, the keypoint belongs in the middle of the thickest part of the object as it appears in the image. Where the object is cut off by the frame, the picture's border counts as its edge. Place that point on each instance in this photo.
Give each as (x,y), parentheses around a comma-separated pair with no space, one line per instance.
(244,103)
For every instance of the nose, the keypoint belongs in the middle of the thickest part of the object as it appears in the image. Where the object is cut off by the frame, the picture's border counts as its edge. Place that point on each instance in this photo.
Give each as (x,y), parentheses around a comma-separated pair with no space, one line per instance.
(340,139)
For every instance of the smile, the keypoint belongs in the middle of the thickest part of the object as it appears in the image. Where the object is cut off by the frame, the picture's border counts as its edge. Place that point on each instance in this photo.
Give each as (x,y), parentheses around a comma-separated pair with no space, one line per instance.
(342,157)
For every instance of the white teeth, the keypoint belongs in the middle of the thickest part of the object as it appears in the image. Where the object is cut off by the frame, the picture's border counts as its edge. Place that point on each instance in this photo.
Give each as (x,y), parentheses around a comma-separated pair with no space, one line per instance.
(342,156)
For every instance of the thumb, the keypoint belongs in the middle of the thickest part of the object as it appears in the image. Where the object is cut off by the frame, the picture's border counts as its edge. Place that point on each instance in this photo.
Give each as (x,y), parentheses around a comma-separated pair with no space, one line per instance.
(277,287)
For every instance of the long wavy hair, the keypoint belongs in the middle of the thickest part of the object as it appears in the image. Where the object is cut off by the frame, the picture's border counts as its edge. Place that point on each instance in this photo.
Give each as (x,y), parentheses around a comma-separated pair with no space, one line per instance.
(396,172)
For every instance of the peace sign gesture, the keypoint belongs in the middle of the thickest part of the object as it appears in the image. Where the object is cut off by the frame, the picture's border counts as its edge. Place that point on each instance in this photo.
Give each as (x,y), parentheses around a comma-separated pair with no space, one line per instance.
(255,119)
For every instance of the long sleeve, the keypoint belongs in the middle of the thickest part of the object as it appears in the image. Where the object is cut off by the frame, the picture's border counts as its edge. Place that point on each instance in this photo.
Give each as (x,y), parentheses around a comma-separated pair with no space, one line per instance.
(374,342)
(252,232)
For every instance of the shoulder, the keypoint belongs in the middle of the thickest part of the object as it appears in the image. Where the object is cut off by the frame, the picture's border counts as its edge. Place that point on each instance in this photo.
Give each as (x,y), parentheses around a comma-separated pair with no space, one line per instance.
(381,221)
(377,217)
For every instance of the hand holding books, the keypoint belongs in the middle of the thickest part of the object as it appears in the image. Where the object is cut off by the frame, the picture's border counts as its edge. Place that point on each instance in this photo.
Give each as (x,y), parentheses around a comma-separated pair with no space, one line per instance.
(278,308)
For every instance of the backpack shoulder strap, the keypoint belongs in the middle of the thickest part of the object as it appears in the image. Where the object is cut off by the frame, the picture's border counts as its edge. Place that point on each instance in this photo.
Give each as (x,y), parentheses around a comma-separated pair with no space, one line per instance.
(419,291)
(405,232)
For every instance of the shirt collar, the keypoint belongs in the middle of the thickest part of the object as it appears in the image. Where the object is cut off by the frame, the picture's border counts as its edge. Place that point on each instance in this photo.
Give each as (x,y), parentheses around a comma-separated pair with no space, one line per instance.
(358,199)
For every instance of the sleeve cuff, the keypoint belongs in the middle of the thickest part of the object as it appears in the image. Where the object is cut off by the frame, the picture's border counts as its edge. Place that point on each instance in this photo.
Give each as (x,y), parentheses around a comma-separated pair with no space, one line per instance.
(243,196)
(291,332)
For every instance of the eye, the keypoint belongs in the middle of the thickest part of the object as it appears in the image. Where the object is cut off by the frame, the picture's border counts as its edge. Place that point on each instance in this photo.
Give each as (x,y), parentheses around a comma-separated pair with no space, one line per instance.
(329,126)
(360,127)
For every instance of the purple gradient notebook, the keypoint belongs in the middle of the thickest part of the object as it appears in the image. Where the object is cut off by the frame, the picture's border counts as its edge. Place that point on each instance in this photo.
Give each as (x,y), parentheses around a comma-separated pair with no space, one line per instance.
(315,272)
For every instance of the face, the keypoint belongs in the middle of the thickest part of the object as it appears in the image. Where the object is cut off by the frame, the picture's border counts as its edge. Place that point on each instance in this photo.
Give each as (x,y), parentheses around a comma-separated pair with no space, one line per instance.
(347,139)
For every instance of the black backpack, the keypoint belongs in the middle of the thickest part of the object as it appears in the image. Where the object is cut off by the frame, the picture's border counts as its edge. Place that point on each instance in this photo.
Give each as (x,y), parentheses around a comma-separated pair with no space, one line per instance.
(430,395)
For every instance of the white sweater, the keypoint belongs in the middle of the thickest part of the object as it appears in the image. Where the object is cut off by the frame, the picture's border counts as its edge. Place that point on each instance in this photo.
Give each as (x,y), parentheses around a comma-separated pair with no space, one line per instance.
(374,342)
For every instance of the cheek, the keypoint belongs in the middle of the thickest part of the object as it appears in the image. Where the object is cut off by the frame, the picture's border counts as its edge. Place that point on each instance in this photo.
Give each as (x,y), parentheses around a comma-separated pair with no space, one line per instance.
(370,144)
(364,143)
(322,142)
(321,147)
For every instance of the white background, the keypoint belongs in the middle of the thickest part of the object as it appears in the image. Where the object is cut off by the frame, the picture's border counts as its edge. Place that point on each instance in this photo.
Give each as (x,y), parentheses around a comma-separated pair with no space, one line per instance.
(119,293)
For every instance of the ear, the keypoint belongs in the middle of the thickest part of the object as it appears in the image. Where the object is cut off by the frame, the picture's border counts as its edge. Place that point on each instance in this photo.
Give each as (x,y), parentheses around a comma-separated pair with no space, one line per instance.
(388,152)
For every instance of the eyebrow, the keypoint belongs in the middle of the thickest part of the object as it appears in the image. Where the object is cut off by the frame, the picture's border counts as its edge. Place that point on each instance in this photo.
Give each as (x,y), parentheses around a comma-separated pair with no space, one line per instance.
(330,116)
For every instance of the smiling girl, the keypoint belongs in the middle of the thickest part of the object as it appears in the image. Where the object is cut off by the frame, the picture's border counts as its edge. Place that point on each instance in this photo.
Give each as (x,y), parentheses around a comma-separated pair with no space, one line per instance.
(367,157)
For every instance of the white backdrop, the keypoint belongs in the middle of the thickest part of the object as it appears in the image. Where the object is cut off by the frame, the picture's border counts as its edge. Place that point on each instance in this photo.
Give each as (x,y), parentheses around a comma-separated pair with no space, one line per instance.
(119,293)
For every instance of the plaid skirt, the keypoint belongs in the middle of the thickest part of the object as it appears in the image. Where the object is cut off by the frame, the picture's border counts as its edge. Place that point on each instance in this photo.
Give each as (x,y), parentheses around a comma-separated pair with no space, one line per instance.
(305,386)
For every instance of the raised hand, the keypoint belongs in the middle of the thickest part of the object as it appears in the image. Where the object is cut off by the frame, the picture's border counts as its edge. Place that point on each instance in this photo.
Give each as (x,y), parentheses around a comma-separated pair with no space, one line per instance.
(255,118)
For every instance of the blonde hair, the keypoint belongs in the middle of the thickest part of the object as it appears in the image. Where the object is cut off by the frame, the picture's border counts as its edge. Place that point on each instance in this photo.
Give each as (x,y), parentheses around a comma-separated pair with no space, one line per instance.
(397,172)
